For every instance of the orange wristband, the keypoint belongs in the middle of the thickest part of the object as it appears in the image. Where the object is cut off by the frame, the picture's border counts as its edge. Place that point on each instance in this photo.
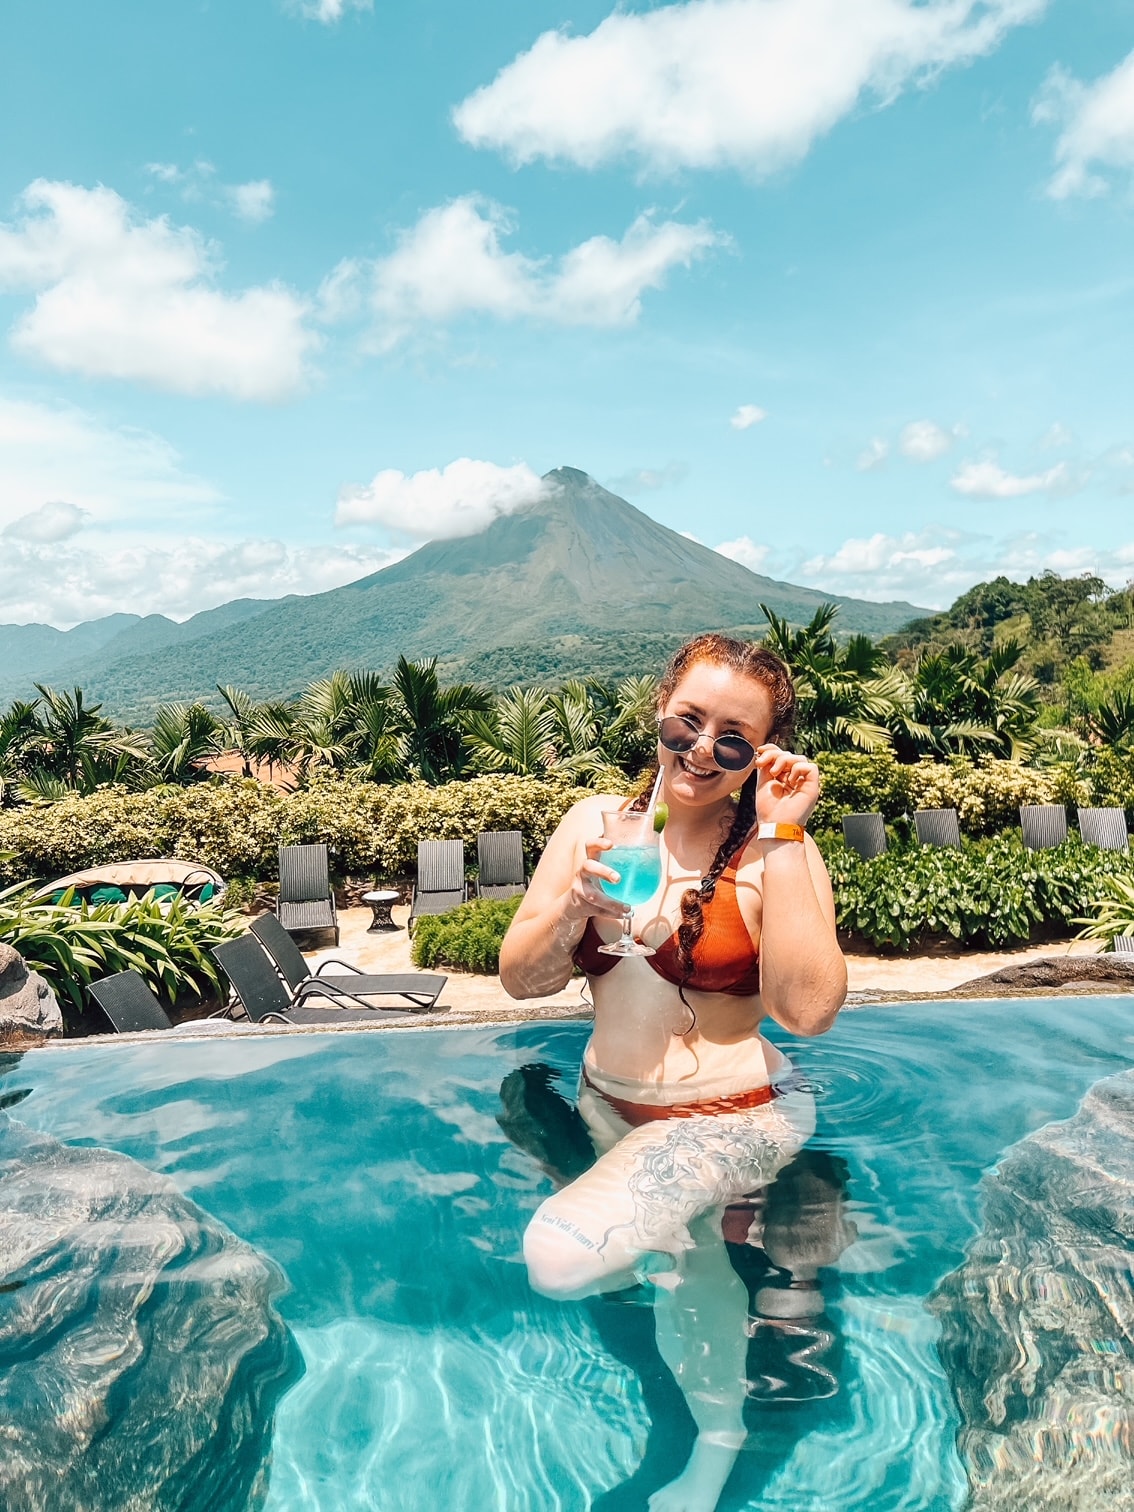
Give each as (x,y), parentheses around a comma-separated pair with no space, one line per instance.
(780,832)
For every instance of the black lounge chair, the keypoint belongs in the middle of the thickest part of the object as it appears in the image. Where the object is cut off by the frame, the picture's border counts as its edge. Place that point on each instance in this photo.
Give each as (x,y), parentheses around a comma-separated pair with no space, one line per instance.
(500,861)
(306,899)
(262,992)
(1104,827)
(865,834)
(939,827)
(440,884)
(131,1006)
(1043,825)
(421,988)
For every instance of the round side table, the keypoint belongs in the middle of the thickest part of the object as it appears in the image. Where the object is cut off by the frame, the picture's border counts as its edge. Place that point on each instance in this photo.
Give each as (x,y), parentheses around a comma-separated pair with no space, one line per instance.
(380,905)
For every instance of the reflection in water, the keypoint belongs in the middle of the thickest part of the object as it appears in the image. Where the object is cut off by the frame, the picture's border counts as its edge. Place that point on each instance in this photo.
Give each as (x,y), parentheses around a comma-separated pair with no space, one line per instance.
(778,1240)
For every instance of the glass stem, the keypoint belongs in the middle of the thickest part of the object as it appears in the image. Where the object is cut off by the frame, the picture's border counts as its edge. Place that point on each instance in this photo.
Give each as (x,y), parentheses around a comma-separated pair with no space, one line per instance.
(628,927)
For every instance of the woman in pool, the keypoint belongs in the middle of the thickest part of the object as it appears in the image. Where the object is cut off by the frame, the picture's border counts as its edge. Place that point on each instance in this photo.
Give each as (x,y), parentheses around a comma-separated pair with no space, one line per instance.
(689,1106)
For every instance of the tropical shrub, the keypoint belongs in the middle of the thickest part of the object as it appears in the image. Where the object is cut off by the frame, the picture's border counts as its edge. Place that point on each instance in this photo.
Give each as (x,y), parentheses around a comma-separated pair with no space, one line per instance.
(1112,779)
(990,894)
(1112,913)
(237,825)
(414,811)
(986,793)
(168,944)
(468,938)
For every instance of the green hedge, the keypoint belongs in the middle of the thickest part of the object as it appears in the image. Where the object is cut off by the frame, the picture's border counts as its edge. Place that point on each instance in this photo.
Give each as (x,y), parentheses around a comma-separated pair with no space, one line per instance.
(987,794)
(990,894)
(236,825)
(469,937)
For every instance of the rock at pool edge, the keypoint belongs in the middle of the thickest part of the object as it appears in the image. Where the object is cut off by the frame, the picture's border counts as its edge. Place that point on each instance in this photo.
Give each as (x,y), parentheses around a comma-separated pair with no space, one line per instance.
(141,1354)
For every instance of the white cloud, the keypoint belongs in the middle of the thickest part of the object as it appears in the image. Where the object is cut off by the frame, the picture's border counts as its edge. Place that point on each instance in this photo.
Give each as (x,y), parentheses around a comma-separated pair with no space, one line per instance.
(924,441)
(118,296)
(988,480)
(62,584)
(874,455)
(253,202)
(152,535)
(54,452)
(452,263)
(329,11)
(922,567)
(647,479)
(933,566)
(1097,128)
(745,551)
(53,521)
(744,83)
(437,503)
(747,416)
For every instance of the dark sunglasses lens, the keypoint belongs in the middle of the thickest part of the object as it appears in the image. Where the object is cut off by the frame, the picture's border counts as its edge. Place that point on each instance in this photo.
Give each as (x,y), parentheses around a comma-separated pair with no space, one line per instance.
(730,752)
(676,735)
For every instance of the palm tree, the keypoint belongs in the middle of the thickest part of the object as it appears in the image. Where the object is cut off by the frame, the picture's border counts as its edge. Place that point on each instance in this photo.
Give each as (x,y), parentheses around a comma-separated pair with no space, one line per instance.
(846,697)
(255,731)
(433,720)
(183,738)
(347,722)
(75,749)
(964,704)
(19,724)
(1113,721)
(516,735)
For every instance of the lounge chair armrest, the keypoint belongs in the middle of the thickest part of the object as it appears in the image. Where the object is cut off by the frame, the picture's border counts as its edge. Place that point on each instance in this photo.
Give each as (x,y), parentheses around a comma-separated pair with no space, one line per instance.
(346,966)
(322,987)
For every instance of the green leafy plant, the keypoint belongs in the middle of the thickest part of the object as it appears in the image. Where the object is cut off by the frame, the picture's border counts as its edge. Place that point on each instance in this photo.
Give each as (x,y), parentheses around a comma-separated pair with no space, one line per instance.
(1112,910)
(468,938)
(74,944)
(990,894)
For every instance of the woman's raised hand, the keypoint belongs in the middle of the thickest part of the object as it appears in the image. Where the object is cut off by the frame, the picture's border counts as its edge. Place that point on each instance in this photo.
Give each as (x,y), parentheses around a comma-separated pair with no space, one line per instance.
(586,899)
(788,788)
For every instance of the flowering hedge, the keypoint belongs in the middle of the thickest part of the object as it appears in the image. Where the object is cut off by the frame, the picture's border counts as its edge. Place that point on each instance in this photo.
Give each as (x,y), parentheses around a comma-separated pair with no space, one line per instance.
(237,825)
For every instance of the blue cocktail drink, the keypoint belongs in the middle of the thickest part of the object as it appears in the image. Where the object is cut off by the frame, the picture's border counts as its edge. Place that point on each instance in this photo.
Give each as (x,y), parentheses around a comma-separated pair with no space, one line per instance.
(639,867)
(636,857)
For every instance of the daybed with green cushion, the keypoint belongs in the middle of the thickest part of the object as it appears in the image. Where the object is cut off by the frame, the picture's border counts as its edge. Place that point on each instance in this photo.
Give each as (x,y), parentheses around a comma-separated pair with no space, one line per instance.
(165,876)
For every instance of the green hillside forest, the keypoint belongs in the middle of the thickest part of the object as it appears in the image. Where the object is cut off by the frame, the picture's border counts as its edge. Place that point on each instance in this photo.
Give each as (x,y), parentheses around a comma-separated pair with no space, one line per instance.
(1039,673)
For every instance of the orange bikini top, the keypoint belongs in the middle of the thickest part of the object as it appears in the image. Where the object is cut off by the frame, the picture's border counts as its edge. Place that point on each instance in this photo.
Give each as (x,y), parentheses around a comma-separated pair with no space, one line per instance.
(724,958)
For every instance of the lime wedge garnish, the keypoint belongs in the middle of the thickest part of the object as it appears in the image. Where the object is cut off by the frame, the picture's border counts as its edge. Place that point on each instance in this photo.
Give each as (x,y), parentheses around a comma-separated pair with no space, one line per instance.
(661,814)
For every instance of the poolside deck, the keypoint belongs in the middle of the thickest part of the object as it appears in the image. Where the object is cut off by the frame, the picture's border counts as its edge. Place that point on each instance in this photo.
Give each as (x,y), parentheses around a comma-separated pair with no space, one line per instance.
(480,999)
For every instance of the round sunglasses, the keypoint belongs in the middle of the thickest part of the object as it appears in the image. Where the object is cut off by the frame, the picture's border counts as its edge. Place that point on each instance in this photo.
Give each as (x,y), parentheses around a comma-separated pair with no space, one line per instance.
(730,752)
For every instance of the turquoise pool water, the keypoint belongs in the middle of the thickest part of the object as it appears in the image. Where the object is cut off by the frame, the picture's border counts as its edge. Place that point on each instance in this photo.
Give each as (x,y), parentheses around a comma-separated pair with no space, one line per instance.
(372,1171)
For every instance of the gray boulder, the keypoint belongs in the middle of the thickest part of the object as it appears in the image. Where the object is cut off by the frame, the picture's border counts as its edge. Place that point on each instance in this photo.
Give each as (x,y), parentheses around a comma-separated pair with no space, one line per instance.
(141,1355)
(1038,1323)
(29,1013)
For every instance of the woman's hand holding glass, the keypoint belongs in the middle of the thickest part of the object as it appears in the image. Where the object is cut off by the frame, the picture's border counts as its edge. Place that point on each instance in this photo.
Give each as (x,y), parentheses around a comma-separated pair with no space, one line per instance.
(586,898)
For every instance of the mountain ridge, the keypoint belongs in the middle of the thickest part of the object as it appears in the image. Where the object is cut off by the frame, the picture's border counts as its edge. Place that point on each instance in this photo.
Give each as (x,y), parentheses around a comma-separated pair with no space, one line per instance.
(578,562)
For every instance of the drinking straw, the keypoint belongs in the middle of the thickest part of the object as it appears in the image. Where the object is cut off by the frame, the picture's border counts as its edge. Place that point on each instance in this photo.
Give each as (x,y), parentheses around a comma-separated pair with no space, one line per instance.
(653,803)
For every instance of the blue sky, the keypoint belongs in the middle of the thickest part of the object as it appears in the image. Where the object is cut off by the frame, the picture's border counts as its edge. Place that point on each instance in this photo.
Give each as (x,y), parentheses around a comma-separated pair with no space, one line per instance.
(843,287)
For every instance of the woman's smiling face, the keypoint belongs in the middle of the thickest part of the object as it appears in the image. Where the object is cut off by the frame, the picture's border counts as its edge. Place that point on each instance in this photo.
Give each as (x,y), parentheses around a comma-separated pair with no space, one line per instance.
(718,701)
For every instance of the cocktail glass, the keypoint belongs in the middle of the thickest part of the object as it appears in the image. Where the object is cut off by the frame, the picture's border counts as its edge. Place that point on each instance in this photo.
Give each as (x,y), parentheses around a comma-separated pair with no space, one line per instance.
(635,856)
